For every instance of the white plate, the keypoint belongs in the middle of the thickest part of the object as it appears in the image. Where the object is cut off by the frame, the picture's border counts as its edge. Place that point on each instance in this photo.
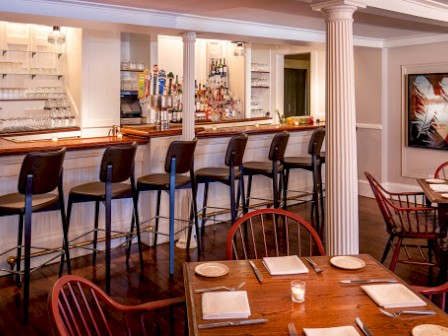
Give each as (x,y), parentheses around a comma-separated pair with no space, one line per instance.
(211,269)
(347,262)
(429,330)
(435,180)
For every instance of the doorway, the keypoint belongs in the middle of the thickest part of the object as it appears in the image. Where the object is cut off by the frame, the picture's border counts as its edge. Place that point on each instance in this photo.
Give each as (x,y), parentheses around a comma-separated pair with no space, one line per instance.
(296,85)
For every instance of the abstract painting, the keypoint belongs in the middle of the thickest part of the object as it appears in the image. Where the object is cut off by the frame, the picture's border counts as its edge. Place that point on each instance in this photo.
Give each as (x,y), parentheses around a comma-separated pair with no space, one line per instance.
(428,110)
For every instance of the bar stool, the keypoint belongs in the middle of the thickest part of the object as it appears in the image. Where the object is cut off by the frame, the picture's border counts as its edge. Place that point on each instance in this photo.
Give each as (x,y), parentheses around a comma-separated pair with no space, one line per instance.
(117,166)
(226,175)
(271,168)
(40,174)
(312,163)
(179,160)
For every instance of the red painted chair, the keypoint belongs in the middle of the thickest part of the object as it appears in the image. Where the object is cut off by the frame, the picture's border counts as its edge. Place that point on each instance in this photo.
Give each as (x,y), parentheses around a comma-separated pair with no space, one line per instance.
(78,307)
(407,218)
(442,171)
(273,233)
(436,294)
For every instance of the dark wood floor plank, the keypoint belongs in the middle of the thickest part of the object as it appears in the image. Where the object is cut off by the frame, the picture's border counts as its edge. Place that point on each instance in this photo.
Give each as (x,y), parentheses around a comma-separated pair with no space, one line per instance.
(128,288)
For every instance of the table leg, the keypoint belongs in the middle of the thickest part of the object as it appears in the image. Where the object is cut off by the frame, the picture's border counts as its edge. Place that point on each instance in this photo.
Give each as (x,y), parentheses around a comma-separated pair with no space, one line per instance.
(442,212)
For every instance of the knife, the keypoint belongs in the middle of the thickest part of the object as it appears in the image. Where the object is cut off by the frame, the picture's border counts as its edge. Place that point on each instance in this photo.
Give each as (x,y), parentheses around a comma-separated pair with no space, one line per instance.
(256,270)
(363,327)
(366,281)
(231,323)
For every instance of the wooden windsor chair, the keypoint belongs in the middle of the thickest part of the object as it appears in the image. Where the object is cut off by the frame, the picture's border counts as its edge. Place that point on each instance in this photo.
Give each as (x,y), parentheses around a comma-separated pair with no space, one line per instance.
(272,233)
(407,218)
(77,307)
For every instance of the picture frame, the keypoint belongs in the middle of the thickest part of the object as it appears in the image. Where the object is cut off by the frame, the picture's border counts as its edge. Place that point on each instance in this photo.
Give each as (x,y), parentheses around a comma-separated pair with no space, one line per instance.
(427,110)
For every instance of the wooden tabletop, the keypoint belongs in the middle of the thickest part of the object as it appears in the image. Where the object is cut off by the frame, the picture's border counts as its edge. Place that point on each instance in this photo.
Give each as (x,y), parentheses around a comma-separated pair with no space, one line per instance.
(328,303)
(434,197)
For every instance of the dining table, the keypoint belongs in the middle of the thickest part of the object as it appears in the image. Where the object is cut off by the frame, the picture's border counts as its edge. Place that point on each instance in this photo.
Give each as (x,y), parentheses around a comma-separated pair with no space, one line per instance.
(441,199)
(328,301)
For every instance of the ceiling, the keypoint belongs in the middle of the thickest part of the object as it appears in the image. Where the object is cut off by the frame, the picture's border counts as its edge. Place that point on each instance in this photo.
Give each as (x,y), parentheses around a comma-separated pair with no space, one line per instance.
(370,23)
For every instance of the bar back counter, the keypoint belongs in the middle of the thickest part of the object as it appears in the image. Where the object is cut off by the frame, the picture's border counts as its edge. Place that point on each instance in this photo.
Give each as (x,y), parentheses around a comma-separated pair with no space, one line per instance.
(82,164)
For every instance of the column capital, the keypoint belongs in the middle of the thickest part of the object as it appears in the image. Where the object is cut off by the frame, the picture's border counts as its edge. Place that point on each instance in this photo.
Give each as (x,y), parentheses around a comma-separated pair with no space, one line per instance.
(325,5)
(189,36)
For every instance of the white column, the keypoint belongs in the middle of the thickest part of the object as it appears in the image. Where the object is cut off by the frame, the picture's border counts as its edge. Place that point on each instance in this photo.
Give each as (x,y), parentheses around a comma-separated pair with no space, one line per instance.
(189,40)
(342,224)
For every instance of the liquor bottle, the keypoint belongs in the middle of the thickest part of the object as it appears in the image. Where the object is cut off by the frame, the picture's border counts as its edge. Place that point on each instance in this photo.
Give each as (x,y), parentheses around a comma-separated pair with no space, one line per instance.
(212,67)
(219,67)
(224,68)
(176,86)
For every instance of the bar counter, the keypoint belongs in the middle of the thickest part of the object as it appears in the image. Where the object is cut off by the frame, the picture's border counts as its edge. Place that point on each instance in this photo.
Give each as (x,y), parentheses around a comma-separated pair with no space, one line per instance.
(83,159)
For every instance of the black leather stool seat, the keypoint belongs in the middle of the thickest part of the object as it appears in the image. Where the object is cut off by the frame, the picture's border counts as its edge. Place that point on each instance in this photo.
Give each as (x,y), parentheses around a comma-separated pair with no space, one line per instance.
(116,169)
(298,162)
(313,162)
(230,173)
(272,168)
(161,181)
(93,190)
(218,174)
(40,189)
(261,168)
(179,160)
(15,202)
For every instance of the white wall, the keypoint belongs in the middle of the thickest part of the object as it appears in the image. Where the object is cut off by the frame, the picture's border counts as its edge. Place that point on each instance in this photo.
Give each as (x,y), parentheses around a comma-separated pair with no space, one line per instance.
(100,82)
(73,79)
(404,163)
(368,79)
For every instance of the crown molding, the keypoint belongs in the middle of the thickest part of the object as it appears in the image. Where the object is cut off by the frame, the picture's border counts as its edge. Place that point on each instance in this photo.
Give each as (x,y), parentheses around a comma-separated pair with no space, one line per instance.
(179,22)
(427,9)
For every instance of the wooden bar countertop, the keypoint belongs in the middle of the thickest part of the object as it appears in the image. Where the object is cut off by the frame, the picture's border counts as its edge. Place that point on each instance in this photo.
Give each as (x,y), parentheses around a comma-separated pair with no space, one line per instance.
(201,132)
(142,134)
(13,148)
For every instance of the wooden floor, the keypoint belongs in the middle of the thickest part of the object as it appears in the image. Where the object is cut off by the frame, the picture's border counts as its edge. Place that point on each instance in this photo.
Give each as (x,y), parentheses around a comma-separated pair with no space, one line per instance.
(128,288)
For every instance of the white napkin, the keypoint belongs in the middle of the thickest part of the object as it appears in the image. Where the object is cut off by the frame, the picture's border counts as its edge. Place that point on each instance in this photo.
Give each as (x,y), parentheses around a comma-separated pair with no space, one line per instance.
(393,296)
(336,331)
(225,305)
(284,265)
(439,187)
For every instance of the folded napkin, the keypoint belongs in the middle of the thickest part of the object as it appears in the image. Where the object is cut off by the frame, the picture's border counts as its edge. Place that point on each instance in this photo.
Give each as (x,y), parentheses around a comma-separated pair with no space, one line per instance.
(225,305)
(393,296)
(336,331)
(439,187)
(284,265)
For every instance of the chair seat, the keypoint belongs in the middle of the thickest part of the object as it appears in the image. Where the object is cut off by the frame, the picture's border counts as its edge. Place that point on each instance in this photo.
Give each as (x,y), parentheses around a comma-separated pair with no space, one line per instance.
(260,167)
(220,174)
(304,162)
(96,190)
(160,181)
(15,202)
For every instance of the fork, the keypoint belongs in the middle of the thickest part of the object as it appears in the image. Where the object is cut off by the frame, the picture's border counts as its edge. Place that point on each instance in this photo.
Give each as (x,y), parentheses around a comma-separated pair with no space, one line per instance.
(230,289)
(317,269)
(416,312)
(292,329)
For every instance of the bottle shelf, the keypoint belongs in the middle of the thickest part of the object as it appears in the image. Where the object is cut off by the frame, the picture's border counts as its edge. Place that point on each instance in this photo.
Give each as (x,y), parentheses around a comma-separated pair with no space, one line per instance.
(33,53)
(32,75)
(260,72)
(129,92)
(140,71)
(22,99)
